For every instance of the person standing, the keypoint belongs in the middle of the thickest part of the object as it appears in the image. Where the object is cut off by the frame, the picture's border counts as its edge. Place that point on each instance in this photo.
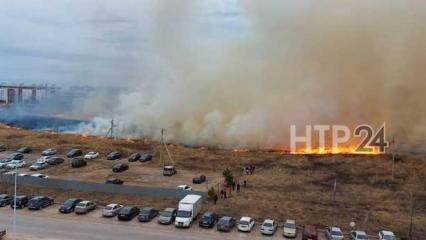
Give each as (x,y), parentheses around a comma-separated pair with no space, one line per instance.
(238,187)
(215,199)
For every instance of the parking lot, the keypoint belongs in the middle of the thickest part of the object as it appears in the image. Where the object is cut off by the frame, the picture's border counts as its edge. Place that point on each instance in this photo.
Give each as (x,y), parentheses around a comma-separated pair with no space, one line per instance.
(98,170)
(95,218)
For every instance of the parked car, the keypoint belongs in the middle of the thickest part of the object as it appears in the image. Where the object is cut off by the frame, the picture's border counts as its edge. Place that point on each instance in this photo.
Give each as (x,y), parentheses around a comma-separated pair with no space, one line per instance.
(128,213)
(74,153)
(134,157)
(55,160)
(114,181)
(39,166)
(24,150)
(43,159)
(199,179)
(2,148)
(91,155)
(147,214)
(268,227)
(290,228)
(39,202)
(184,187)
(15,156)
(309,232)
(69,205)
(84,207)
(225,224)
(49,152)
(16,164)
(333,233)
(114,155)
(167,216)
(5,199)
(120,167)
(358,235)
(169,170)
(24,175)
(145,158)
(39,175)
(78,163)
(246,224)
(21,201)
(386,235)
(111,210)
(208,220)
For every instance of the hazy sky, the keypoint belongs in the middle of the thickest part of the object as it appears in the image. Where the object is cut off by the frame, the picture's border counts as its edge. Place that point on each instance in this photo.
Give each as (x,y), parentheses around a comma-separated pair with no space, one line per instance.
(89,41)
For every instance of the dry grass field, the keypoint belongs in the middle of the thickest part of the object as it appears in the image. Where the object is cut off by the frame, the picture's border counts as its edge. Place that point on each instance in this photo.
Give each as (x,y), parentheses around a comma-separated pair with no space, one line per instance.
(283,186)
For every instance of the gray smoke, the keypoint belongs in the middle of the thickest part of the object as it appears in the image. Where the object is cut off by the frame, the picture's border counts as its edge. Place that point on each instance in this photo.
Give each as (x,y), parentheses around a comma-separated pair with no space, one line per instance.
(239,73)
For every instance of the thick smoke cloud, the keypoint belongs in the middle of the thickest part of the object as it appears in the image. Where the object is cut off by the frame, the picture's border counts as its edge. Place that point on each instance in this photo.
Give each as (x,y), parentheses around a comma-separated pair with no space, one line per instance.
(239,73)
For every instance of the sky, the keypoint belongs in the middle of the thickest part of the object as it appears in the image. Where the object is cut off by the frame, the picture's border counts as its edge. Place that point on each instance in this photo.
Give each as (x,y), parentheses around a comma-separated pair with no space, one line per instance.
(92,42)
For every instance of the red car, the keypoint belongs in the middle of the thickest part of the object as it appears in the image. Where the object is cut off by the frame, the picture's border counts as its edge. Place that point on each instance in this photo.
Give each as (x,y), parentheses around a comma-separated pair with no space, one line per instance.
(310,232)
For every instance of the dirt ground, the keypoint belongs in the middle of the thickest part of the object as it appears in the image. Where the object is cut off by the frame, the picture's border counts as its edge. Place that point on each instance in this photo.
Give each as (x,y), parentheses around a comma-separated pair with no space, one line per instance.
(283,186)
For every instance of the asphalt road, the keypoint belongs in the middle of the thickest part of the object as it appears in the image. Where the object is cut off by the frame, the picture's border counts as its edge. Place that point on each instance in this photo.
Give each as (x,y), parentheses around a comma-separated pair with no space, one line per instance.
(47,224)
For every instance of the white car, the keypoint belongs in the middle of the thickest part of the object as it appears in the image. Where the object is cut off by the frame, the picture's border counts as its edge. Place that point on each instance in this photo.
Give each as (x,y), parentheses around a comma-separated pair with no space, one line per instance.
(184,187)
(386,235)
(268,227)
(91,155)
(16,164)
(24,175)
(49,152)
(43,159)
(334,233)
(246,224)
(359,235)
(39,175)
(111,210)
(290,229)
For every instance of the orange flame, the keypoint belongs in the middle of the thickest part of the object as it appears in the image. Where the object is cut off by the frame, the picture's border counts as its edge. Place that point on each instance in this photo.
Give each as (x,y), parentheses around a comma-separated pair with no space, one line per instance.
(337,150)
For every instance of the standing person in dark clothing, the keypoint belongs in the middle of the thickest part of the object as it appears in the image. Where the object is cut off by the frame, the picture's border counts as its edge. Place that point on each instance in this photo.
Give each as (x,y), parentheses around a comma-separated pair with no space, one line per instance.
(221,193)
(245,183)
(233,186)
(238,187)
(224,194)
(215,199)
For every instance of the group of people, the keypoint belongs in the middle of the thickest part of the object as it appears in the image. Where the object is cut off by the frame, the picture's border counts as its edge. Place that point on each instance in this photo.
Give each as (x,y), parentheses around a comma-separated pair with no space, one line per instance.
(249,170)
(227,192)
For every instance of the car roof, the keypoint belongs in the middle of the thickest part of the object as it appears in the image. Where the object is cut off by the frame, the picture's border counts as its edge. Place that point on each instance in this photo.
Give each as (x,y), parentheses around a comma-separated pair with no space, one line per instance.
(360,233)
(147,209)
(290,221)
(182,186)
(268,221)
(112,205)
(336,229)
(84,202)
(226,218)
(169,209)
(248,219)
(388,233)
(169,166)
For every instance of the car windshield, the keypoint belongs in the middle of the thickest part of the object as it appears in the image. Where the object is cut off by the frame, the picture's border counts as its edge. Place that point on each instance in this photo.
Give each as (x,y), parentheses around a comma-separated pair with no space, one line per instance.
(183,214)
(32,201)
(389,237)
(268,225)
(166,214)
(146,211)
(336,233)
(81,204)
(223,221)
(244,222)
(109,207)
(69,202)
(362,236)
(289,225)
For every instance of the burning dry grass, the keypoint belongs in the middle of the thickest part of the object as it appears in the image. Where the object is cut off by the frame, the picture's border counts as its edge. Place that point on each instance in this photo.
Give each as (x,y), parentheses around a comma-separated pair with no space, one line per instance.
(283,186)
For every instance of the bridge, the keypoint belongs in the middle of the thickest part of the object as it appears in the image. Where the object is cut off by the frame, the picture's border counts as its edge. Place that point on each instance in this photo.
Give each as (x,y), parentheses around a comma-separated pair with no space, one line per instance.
(12,93)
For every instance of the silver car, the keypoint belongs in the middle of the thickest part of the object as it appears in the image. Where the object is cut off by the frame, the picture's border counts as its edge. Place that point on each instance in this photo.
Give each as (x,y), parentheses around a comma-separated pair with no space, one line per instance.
(85,207)
(268,227)
(111,210)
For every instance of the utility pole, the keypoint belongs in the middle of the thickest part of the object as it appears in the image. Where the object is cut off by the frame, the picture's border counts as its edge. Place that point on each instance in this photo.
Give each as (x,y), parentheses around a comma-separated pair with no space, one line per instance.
(410,230)
(14,203)
(161,146)
(393,166)
(334,200)
(110,132)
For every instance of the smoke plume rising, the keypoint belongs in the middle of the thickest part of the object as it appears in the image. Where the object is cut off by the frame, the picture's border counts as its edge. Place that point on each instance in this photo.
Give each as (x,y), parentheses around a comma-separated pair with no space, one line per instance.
(239,73)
